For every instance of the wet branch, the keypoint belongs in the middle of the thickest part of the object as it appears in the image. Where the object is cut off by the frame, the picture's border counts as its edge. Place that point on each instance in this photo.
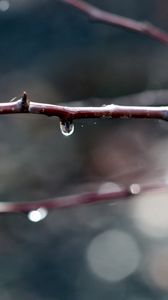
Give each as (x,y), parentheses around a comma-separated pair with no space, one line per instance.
(122,194)
(102,16)
(68,113)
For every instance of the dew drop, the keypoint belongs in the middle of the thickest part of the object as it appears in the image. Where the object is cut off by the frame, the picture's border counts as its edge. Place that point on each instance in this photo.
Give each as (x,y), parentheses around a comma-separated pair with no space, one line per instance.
(66,127)
(135,188)
(37,215)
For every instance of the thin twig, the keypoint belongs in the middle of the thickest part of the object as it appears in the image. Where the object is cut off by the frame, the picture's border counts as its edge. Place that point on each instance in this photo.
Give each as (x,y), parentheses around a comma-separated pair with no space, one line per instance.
(122,194)
(108,111)
(64,202)
(67,113)
(99,15)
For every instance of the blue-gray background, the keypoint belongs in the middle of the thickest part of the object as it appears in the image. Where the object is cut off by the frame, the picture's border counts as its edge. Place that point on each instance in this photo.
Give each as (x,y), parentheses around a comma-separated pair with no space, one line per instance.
(57,55)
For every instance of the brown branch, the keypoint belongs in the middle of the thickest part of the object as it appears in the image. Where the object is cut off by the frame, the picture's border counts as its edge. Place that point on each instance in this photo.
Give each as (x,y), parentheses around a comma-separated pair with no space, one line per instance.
(108,111)
(121,194)
(64,202)
(68,114)
(99,15)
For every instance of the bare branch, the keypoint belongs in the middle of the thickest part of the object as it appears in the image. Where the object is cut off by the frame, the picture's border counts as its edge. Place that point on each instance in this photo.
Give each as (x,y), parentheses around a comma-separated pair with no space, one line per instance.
(63,202)
(68,114)
(108,111)
(99,15)
(122,194)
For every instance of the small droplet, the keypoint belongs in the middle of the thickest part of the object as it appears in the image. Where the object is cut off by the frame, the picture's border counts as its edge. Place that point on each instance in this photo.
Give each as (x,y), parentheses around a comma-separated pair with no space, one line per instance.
(37,215)
(66,127)
(135,188)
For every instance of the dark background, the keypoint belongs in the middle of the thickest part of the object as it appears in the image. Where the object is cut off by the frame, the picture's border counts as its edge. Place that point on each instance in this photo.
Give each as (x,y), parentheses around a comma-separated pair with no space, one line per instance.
(58,56)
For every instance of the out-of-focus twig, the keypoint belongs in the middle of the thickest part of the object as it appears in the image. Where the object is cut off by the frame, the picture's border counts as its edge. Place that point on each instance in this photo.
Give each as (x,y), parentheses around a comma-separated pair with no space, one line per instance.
(63,202)
(121,194)
(99,15)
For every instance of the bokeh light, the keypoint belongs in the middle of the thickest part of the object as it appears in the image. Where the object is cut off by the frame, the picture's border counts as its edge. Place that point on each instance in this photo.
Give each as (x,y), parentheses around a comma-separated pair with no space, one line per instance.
(4,5)
(37,215)
(157,267)
(113,255)
(149,212)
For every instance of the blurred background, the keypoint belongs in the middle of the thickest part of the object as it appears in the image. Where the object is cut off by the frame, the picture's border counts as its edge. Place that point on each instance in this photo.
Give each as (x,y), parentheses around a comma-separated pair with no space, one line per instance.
(109,251)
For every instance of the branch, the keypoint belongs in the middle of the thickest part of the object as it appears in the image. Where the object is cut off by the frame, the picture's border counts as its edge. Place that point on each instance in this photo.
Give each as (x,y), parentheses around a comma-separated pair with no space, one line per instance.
(109,111)
(67,114)
(121,194)
(99,15)
(63,202)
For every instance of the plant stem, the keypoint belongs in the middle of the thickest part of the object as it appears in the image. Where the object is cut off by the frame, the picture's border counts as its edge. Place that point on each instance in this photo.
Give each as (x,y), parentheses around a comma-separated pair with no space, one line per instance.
(121,194)
(72,113)
(99,15)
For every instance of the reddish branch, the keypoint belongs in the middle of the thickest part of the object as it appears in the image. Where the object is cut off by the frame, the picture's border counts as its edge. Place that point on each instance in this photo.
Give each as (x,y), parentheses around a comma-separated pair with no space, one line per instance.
(67,113)
(63,202)
(75,200)
(99,15)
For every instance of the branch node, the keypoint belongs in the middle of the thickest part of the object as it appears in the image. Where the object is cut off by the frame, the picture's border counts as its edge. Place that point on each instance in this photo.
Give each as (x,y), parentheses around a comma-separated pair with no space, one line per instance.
(25,103)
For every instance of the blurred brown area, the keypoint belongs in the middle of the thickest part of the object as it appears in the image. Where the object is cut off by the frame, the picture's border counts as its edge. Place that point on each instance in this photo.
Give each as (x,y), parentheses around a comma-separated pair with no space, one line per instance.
(93,252)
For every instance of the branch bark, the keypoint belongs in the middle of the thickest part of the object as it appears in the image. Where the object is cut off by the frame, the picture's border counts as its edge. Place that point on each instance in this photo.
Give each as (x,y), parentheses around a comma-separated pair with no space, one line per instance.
(67,113)
(99,15)
(122,194)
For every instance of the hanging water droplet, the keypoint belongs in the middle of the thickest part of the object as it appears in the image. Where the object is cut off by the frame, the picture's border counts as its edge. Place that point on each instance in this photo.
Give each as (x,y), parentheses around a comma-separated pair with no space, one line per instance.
(66,127)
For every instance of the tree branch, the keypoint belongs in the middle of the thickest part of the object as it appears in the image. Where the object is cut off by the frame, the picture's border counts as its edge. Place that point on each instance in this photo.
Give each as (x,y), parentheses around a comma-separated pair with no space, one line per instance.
(68,114)
(99,15)
(122,194)
(63,202)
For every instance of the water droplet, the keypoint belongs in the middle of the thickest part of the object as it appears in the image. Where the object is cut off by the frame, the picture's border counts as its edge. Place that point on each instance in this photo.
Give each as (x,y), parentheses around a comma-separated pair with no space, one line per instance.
(135,188)
(37,215)
(66,127)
